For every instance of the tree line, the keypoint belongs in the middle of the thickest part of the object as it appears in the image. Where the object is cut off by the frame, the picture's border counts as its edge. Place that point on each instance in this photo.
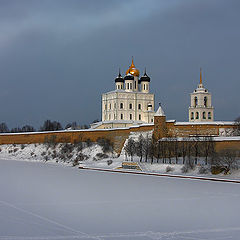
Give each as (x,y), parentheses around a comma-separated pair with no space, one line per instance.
(169,150)
(189,151)
(48,125)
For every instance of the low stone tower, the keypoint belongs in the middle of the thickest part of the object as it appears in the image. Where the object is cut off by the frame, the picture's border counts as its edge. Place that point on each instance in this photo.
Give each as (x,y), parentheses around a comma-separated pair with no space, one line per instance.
(160,126)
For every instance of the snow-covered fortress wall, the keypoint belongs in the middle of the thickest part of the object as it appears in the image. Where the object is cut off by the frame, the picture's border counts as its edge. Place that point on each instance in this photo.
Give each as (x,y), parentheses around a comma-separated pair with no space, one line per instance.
(116,136)
(161,128)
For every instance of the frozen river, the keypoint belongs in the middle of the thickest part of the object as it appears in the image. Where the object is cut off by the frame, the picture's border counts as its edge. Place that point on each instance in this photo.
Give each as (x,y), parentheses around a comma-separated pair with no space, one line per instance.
(46,201)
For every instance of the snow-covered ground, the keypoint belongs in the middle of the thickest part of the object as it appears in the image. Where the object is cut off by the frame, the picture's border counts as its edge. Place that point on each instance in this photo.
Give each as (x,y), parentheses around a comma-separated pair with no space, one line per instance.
(95,158)
(49,201)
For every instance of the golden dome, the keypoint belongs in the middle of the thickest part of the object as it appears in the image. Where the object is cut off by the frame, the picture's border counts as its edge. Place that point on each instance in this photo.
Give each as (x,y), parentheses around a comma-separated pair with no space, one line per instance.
(132,70)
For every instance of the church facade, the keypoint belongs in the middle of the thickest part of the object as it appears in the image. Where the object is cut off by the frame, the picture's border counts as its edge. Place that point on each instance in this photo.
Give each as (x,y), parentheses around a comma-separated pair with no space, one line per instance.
(131,103)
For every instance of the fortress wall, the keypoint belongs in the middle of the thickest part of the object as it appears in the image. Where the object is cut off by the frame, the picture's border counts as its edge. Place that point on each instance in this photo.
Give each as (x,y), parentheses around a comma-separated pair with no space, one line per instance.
(116,136)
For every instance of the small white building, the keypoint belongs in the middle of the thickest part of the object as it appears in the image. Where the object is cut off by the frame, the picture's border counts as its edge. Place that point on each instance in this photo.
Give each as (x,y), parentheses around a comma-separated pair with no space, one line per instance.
(131,103)
(201,109)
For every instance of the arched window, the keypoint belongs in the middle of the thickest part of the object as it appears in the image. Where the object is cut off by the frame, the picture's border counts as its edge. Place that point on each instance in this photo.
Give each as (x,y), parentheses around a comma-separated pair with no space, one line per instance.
(204,115)
(195,101)
(105,106)
(139,106)
(130,106)
(110,106)
(209,115)
(139,116)
(192,115)
(121,116)
(130,116)
(205,101)
(197,115)
(121,105)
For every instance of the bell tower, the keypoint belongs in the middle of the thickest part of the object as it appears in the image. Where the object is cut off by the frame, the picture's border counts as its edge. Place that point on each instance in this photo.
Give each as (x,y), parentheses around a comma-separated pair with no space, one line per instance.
(201,109)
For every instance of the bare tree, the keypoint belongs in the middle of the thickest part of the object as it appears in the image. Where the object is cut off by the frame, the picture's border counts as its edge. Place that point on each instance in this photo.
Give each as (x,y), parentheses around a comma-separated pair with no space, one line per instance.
(208,147)
(237,127)
(130,148)
(227,159)
(175,148)
(183,149)
(139,147)
(4,128)
(146,147)
(196,148)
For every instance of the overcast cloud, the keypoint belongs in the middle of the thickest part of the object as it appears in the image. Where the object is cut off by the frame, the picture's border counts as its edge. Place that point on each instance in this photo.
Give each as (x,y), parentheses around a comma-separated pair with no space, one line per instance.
(58,57)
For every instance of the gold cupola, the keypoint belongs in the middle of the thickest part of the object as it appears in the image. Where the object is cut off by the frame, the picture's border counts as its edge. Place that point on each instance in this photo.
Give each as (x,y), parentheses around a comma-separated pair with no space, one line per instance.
(133,70)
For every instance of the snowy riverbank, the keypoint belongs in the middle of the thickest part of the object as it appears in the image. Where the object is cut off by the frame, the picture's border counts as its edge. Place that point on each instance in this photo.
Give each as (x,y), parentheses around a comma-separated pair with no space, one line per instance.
(93,156)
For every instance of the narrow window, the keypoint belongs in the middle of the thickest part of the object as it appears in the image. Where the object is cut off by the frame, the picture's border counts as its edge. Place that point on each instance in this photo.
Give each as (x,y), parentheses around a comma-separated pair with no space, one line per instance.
(192,115)
(209,115)
(204,115)
(114,105)
(135,84)
(197,115)
(109,116)
(121,116)
(139,116)
(195,101)
(139,106)
(110,106)
(143,86)
(130,106)
(130,116)
(121,105)
(105,106)
(205,101)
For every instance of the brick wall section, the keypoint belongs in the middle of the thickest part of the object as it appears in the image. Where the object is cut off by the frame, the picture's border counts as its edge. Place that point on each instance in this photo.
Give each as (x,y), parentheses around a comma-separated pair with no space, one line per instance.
(116,136)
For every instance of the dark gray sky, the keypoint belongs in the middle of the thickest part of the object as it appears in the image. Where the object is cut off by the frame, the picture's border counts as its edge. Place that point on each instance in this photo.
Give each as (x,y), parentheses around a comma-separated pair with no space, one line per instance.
(57,57)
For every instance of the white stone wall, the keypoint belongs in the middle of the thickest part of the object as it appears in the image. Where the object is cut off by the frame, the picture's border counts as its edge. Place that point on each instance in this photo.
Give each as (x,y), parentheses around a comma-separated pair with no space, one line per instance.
(123,105)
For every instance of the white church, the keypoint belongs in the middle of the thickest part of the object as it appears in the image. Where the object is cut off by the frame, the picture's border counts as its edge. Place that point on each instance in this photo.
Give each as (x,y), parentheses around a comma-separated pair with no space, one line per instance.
(131,103)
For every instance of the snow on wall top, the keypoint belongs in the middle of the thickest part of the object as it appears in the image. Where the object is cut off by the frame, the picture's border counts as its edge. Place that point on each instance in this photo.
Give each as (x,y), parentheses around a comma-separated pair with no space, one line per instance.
(206,123)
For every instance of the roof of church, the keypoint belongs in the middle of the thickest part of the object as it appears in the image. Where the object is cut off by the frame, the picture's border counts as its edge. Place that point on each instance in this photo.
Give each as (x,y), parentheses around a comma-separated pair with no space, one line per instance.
(133,70)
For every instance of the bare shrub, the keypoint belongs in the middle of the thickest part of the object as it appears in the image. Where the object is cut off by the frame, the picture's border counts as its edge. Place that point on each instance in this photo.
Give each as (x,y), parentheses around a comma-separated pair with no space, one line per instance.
(169,169)
(203,170)
(89,142)
(22,146)
(101,155)
(75,162)
(43,153)
(106,144)
(0,149)
(15,149)
(109,162)
(185,169)
(227,159)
